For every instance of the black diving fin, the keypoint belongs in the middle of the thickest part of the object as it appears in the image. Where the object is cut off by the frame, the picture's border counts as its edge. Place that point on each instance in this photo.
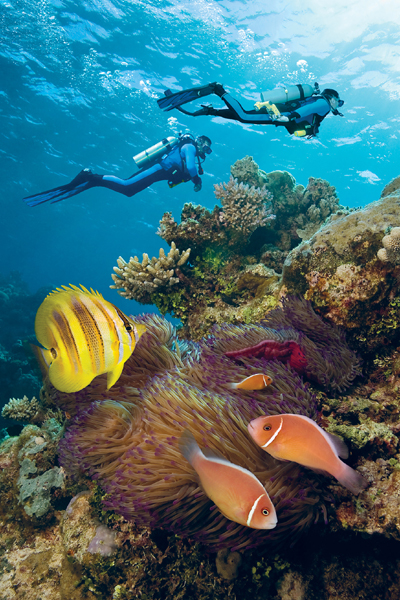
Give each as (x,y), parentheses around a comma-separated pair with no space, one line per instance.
(176,99)
(83,181)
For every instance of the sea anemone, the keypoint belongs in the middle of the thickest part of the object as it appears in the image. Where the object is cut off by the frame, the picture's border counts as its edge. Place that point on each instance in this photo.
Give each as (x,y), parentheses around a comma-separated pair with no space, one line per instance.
(126,438)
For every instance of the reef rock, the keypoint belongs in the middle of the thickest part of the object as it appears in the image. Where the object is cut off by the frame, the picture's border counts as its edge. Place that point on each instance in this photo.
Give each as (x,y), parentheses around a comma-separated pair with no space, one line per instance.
(340,270)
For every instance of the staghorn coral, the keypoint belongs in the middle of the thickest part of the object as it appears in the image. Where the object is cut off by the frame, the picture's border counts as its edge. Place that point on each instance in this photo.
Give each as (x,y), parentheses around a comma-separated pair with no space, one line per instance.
(127,438)
(245,208)
(391,247)
(137,280)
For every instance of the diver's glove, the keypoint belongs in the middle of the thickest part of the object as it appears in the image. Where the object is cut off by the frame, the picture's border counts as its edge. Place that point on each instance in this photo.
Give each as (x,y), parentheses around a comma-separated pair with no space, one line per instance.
(197,183)
(272,110)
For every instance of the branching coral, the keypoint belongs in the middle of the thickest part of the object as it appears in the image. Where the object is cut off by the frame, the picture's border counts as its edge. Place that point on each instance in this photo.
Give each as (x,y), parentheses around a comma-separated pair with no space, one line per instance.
(138,280)
(127,438)
(245,208)
(391,247)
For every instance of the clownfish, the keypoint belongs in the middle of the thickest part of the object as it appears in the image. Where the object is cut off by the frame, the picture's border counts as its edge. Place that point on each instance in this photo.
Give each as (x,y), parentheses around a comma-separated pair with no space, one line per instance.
(83,336)
(236,492)
(301,440)
(259,381)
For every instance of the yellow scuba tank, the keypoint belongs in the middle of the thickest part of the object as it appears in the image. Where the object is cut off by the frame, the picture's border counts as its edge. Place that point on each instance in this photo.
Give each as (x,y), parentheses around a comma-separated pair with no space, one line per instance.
(287,94)
(154,153)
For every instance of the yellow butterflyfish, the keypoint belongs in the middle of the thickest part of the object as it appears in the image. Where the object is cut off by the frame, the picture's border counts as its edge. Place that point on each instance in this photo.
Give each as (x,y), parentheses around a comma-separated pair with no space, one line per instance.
(83,336)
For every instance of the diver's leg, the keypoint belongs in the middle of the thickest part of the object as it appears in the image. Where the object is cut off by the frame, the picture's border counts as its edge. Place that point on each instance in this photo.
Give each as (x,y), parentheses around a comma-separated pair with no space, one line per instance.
(137,183)
(246,116)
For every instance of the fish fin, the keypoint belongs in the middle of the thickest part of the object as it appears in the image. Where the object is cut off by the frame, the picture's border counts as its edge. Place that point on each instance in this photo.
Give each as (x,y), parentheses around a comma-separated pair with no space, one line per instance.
(319,471)
(210,453)
(64,382)
(188,446)
(114,375)
(138,330)
(44,358)
(351,479)
(339,445)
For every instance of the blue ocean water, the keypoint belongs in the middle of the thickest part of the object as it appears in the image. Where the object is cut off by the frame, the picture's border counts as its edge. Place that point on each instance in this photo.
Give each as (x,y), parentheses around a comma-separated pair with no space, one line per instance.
(78,88)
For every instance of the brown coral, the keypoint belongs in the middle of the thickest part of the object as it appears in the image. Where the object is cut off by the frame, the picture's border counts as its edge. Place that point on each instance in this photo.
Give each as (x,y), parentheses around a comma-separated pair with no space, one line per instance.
(391,247)
(245,208)
(138,280)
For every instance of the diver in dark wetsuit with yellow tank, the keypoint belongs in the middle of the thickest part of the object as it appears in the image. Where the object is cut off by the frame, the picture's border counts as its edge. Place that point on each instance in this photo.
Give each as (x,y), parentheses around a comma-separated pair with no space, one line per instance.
(299,108)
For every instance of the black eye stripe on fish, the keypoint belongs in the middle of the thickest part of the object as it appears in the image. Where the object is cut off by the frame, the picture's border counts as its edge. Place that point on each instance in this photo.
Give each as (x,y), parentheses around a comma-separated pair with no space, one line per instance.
(90,330)
(67,338)
(127,324)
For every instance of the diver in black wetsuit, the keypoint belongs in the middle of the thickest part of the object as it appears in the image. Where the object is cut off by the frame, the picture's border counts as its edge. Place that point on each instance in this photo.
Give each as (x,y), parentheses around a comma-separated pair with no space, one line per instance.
(173,162)
(300,114)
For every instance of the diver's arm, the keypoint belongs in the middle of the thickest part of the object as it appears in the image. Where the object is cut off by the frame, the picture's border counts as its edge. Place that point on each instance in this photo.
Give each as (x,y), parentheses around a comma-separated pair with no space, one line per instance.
(319,107)
(189,155)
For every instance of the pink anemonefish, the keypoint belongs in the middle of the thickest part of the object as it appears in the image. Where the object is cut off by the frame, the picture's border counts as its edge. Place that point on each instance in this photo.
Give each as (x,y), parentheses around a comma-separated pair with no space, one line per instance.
(259,381)
(300,439)
(83,336)
(236,492)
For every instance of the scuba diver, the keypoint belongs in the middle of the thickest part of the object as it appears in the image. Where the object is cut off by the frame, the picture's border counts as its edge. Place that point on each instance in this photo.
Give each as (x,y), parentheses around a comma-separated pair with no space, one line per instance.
(299,108)
(173,160)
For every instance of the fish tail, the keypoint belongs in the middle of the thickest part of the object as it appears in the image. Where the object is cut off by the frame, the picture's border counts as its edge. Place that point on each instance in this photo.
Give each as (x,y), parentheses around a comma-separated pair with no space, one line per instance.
(351,479)
(44,358)
(232,386)
(188,446)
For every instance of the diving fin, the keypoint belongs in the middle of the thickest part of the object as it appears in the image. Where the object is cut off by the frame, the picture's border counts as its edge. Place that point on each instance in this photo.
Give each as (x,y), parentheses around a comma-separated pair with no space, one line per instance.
(83,181)
(173,100)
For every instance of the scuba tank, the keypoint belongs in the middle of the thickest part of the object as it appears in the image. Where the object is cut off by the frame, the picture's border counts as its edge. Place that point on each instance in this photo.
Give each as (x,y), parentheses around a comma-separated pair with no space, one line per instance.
(150,156)
(293,92)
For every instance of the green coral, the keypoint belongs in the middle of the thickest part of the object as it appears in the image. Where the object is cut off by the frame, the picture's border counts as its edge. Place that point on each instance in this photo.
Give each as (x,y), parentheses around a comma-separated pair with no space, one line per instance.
(35,493)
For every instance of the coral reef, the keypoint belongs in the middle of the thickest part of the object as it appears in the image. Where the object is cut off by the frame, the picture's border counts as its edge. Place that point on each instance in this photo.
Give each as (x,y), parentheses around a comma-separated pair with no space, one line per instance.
(339,271)
(237,251)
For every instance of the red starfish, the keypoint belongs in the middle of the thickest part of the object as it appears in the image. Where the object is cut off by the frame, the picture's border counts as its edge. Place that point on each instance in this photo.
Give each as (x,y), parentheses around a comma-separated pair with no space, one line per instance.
(287,352)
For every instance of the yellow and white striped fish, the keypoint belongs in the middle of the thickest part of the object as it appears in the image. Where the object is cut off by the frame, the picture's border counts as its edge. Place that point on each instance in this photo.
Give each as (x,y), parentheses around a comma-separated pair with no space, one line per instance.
(83,336)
